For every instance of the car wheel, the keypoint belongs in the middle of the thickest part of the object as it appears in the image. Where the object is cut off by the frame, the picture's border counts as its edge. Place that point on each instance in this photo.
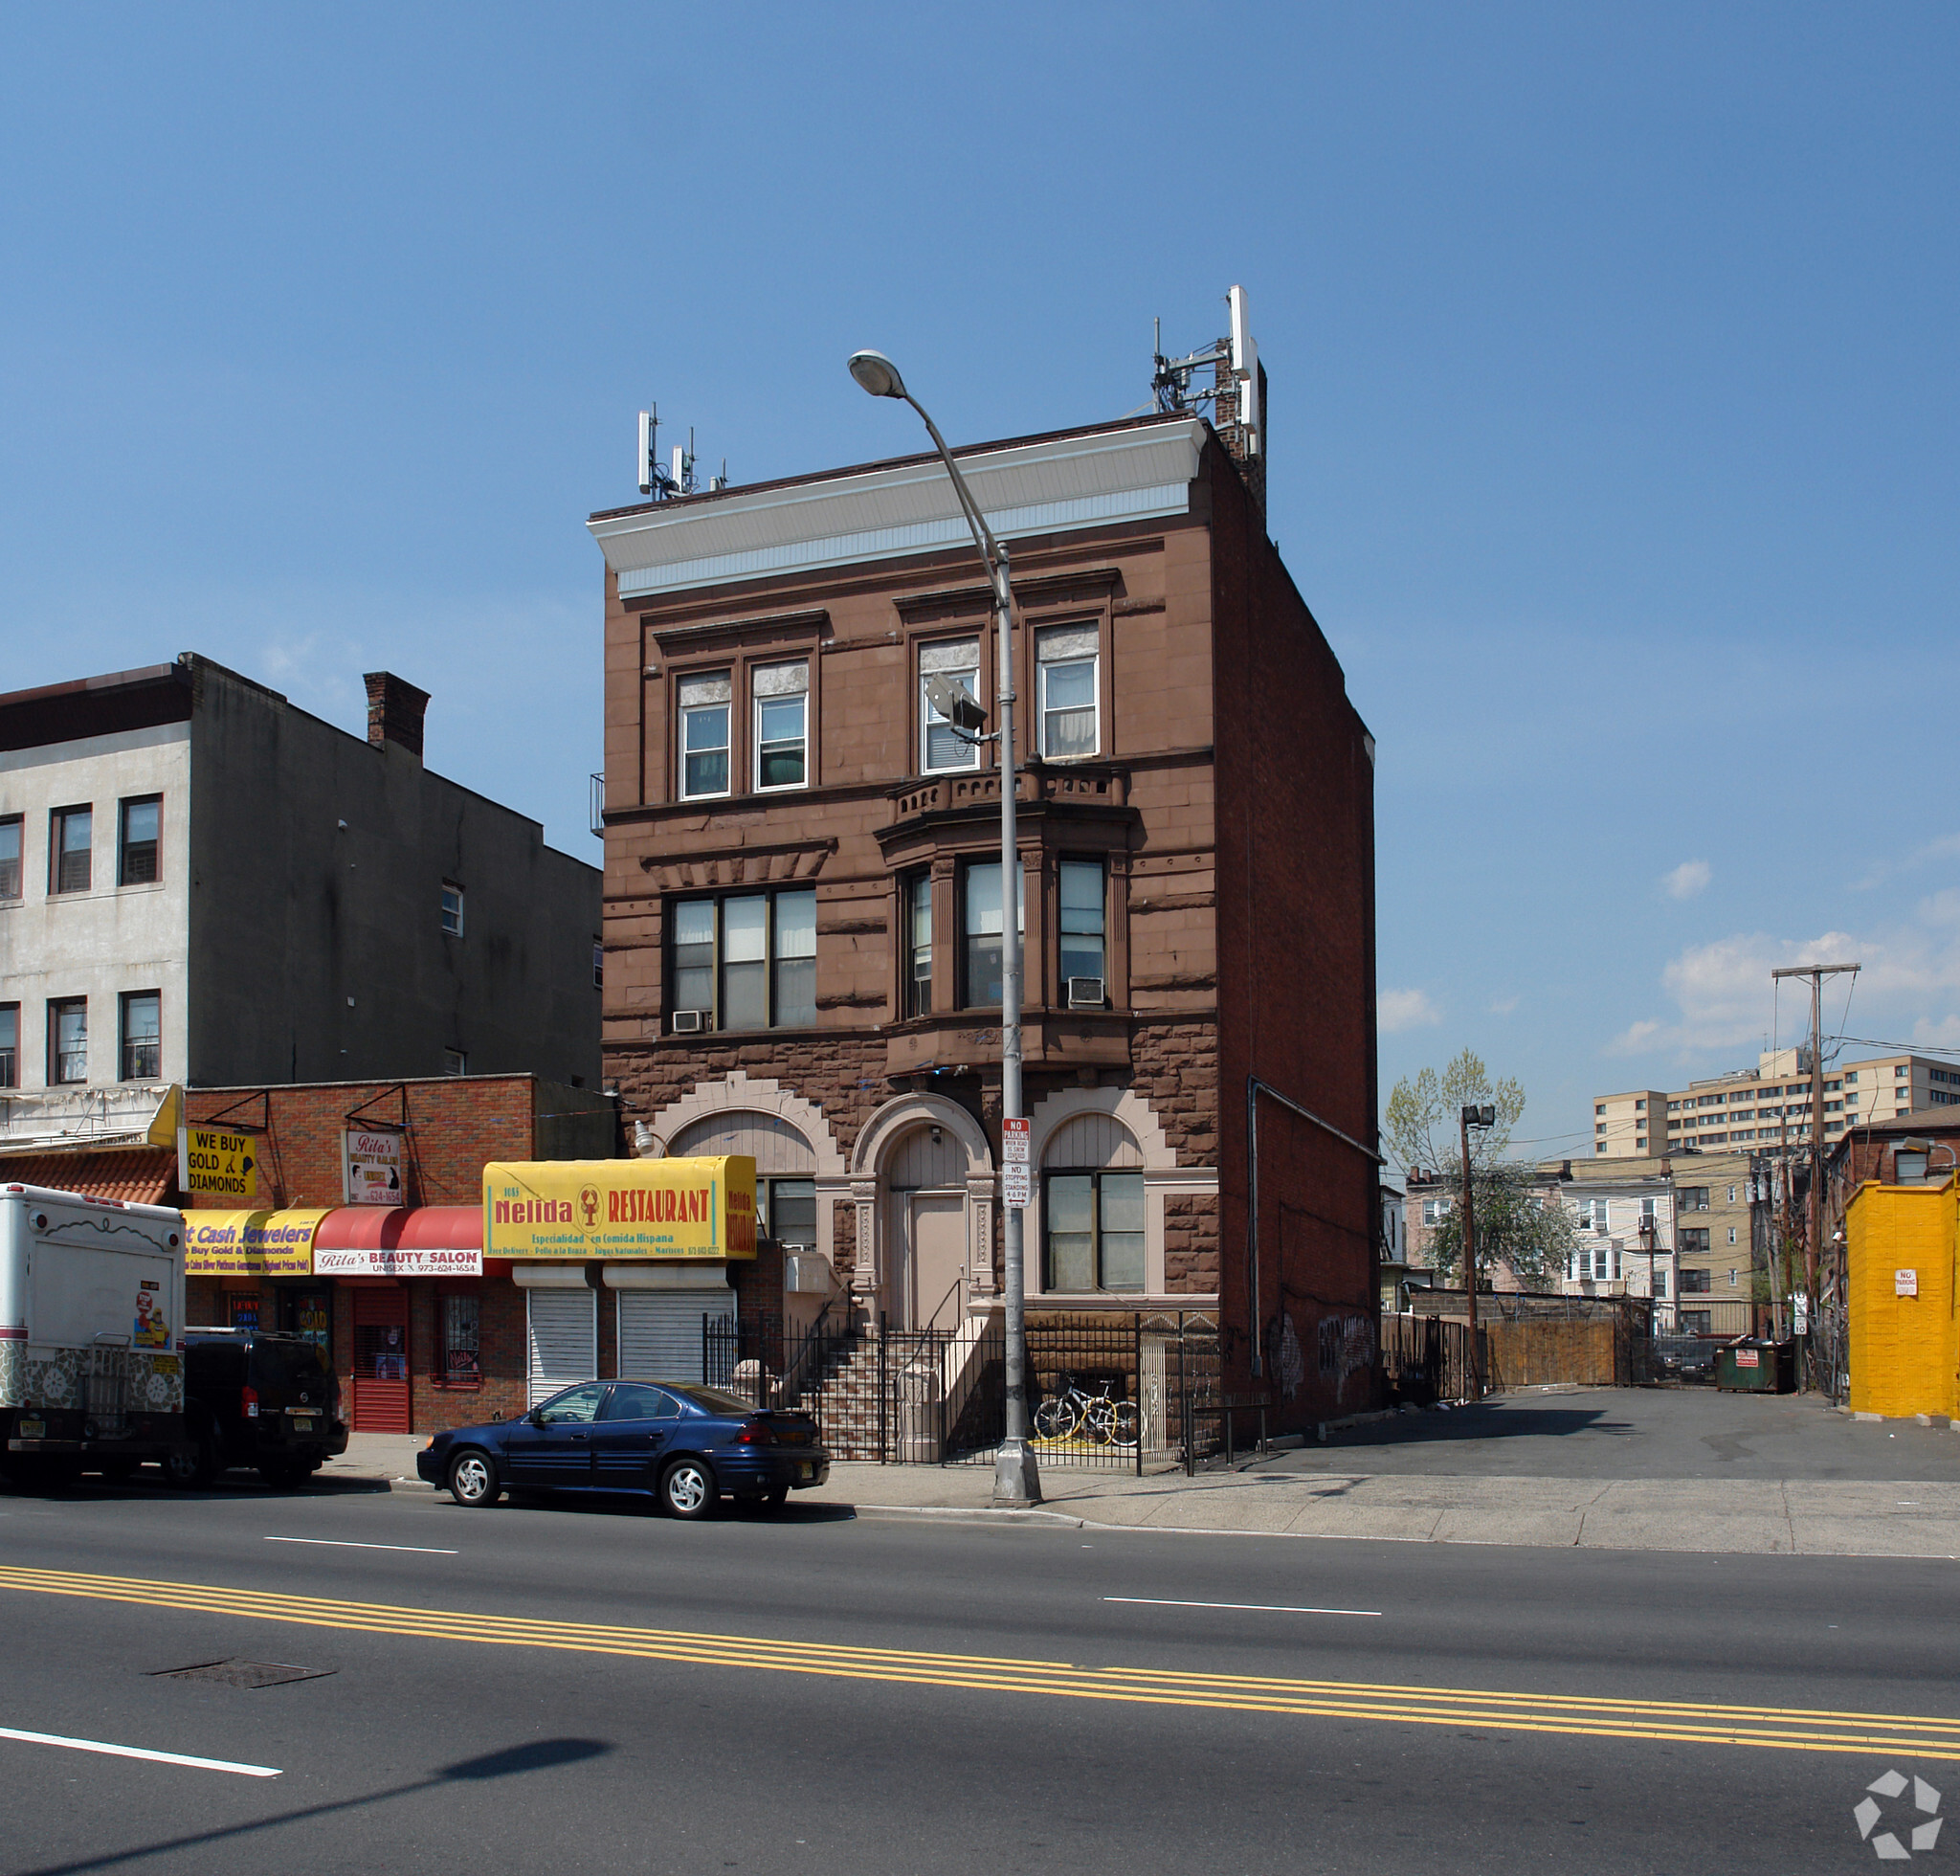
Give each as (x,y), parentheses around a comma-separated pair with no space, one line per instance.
(472,1480)
(185,1467)
(119,1471)
(687,1488)
(284,1474)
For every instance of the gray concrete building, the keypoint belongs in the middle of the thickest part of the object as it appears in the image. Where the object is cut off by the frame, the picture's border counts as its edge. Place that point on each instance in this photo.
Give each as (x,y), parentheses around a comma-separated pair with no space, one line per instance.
(201,884)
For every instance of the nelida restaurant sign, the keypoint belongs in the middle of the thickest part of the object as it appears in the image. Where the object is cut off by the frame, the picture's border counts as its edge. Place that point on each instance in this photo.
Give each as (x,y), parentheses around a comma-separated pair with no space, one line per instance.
(621,1208)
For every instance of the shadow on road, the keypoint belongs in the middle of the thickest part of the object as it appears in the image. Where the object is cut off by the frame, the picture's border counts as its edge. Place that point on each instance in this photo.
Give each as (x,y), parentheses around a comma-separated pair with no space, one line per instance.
(535,1755)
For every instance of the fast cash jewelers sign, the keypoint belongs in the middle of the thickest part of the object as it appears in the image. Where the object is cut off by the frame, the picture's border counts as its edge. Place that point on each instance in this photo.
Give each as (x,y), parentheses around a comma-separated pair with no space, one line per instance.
(620,1209)
(250,1243)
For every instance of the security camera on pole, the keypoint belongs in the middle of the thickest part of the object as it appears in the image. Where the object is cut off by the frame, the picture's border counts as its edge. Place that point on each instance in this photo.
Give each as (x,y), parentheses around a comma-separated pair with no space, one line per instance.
(1015,1478)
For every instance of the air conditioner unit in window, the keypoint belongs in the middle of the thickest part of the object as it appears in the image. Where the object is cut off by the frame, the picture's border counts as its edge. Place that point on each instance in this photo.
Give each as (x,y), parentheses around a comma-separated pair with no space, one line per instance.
(689,1022)
(1087,992)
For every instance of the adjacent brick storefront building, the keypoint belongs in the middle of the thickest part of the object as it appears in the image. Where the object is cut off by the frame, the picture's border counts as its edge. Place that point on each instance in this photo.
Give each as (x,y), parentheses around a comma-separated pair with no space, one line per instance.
(802,906)
(392,1343)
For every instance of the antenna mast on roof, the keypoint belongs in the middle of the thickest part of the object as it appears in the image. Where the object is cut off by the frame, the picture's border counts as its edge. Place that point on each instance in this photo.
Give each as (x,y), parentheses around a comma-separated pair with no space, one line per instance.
(1237,393)
(665,483)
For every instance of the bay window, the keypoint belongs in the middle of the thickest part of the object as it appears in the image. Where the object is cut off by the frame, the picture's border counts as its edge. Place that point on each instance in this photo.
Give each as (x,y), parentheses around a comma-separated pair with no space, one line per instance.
(918,919)
(980,929)
(1081,891)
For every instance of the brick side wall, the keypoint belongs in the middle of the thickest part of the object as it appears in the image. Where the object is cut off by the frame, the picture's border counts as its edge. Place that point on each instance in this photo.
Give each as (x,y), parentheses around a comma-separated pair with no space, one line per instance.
(1296,979)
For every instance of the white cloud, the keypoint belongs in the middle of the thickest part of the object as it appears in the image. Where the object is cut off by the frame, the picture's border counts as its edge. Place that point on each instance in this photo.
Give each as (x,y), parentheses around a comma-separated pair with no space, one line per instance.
(1503,1006)
(1942,1034)
(1945,847)
(1726,1002)
(1689,877)
(1404,1008)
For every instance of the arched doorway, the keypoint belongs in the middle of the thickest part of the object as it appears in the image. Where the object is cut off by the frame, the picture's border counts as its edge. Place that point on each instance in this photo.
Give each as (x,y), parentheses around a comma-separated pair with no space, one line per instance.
(923,1179)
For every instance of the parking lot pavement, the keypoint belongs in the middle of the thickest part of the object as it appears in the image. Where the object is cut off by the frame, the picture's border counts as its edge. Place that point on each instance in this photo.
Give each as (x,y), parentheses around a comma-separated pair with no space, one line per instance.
(1639,1433)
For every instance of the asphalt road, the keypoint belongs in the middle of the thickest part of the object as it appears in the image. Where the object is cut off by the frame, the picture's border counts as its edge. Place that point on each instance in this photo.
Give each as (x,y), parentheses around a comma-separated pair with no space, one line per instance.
(589,1688)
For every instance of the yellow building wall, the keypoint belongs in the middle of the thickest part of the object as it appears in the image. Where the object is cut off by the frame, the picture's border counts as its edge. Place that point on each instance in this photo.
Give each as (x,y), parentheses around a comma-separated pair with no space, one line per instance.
(1905,1350)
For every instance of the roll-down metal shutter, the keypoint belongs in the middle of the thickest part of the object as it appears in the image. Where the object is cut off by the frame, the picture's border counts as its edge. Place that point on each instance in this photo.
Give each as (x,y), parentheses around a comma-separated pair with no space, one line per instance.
(563,1330)
(660,1330)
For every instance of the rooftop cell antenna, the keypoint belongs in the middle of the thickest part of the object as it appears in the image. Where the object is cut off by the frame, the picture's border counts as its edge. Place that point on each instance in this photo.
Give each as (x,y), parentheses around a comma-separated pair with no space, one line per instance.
(664,482)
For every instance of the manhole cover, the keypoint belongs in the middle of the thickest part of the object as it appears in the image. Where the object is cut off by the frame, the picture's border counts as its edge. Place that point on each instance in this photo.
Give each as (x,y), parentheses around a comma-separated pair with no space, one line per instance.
(234,1673)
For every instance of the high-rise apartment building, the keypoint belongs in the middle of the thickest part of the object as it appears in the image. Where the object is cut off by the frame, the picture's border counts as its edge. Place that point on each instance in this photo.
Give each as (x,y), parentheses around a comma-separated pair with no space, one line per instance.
(1769,1105)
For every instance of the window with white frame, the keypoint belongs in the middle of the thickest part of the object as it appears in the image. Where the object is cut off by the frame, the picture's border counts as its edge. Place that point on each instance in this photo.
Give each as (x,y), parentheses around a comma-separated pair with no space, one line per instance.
(1433,1212)
(451,910)
(703,698)
(940,750)
(1595,1263)
(1065,674)
(1592,1215)
(782,724)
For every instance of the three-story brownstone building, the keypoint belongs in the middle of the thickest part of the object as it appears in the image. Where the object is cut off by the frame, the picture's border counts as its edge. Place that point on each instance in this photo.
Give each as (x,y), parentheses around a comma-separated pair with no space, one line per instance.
(803,918)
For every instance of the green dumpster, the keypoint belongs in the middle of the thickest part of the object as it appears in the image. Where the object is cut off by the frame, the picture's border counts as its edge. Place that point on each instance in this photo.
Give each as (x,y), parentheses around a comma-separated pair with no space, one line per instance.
(1751,1364)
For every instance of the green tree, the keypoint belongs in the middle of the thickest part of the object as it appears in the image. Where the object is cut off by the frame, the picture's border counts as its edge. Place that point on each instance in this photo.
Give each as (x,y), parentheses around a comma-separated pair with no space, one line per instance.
(1516,1224)
(1421,1124)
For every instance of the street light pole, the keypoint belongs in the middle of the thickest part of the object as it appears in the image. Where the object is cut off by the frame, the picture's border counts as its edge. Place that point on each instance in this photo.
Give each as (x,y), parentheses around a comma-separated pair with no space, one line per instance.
(1017,1479)
(1469,1117)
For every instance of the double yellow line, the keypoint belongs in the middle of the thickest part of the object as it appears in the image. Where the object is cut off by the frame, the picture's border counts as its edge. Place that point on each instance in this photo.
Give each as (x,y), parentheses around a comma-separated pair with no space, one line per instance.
(1782,1728)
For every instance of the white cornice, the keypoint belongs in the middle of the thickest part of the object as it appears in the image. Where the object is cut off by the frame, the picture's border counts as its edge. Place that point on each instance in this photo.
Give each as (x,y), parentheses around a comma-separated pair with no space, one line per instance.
(1047,487)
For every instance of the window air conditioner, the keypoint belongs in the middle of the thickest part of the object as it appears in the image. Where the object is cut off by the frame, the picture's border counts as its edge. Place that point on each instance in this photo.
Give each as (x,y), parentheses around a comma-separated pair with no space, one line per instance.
(1087,992)
(689,1022)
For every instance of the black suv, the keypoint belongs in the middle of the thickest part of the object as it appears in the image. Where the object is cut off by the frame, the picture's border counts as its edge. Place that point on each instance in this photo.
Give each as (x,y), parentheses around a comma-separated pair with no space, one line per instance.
(255,1398)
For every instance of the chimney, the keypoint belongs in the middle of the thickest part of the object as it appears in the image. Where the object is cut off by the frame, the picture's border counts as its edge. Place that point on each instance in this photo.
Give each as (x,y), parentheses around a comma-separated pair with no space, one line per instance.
(395,711)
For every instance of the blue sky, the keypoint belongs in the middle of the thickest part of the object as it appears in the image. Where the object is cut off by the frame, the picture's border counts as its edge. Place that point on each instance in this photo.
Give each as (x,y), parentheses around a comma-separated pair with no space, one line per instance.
(1611,431)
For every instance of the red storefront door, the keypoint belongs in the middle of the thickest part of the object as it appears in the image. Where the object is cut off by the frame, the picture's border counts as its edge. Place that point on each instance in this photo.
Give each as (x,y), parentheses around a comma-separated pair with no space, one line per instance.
(381,1360)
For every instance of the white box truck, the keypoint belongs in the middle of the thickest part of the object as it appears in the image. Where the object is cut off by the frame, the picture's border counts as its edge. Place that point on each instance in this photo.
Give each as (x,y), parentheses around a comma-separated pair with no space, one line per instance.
(91,1310)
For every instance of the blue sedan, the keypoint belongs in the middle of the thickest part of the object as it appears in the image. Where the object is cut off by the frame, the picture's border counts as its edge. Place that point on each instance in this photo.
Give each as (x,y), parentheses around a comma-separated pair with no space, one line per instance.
(684,1444)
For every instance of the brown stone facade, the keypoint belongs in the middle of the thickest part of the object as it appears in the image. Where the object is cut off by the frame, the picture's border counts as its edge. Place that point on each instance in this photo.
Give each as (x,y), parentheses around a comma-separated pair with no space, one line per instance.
(1184,744)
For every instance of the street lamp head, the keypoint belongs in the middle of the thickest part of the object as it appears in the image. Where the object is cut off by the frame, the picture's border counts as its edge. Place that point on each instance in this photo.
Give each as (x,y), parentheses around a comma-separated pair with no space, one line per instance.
(955,703)
(877,374)
(1473,1116)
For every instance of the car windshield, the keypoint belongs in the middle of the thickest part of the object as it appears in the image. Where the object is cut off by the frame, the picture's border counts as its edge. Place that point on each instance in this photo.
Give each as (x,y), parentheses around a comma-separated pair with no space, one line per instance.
(717,1400)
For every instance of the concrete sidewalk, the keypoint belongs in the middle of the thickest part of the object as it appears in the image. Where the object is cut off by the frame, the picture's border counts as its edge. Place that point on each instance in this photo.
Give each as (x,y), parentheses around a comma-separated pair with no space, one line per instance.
(1832,1517)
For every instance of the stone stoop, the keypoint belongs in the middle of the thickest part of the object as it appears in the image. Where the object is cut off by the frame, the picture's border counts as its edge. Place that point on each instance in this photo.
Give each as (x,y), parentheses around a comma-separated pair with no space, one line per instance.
(845,1400)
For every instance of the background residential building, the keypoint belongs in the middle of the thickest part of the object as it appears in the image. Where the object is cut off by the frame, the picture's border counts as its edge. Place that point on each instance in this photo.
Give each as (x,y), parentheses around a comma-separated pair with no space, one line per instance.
(1768,1105)
(803,911)
(201,884)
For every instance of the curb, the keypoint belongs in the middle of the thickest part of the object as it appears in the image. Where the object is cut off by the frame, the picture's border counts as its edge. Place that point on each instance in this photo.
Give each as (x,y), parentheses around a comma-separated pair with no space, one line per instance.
(974,1514)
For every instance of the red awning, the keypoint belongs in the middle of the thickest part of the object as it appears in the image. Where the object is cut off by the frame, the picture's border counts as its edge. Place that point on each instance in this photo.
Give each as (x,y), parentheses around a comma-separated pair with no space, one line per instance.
(400,1241)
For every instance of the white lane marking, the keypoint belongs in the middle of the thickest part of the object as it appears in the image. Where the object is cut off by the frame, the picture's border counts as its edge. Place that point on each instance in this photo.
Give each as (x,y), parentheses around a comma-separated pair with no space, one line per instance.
(141,1752)
(349,1543)
(1260,1608)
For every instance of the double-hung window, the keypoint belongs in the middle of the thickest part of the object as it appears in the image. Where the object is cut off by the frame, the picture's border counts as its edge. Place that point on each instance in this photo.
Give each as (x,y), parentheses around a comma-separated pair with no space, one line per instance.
(745,961)
(68,1040)
(10,857)
(782,724)
(939,749)
(1081,891)
(71,830)
(9,1046)
(1095,1231)
(918,916)
(451,910)
(1065,674)
(1592,1215)
(980,929)
(143,1036)
(1694,1241)
(137,841)
(704,702)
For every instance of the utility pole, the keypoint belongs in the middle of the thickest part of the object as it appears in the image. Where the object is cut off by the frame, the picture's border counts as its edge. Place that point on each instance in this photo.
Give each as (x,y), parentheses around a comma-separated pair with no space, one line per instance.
(1814,1249)
(1467,1118)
